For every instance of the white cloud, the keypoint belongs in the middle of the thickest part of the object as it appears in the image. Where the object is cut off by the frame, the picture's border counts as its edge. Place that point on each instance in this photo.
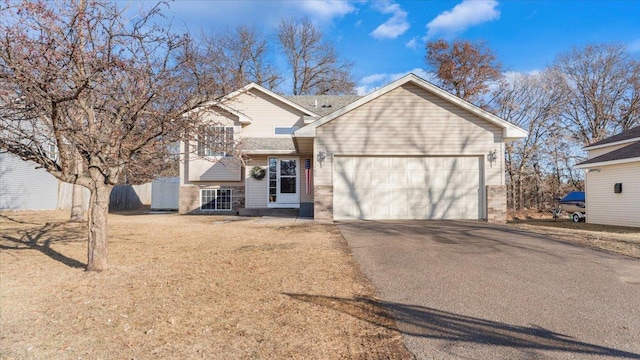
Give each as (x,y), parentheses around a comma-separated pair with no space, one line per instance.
(375,81)
(327,9)
(412,44)
(514,74)
(464,15)
(633,46)
(264,15)
(395,26)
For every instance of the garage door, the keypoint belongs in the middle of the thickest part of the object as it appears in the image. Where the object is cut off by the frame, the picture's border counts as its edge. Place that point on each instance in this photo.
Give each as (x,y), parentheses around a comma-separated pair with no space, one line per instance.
(406,188)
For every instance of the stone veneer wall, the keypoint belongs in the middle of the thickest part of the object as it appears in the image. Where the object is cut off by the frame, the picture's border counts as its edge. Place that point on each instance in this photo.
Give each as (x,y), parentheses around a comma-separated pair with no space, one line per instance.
(497,204)
(189,199)
(323,202)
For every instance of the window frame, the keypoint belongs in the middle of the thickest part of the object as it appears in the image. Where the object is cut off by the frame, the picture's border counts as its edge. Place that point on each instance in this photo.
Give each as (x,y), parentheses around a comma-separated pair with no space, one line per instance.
(52,151)
(207,136)
(216,196)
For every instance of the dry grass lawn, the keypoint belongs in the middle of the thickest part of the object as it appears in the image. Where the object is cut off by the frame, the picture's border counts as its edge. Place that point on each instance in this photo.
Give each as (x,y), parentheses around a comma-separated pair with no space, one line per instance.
(616,239)
(186,287)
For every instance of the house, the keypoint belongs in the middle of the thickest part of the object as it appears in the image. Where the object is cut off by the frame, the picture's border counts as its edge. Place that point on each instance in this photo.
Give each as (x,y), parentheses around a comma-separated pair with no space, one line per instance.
(612,180)
(24,186)
(409,150)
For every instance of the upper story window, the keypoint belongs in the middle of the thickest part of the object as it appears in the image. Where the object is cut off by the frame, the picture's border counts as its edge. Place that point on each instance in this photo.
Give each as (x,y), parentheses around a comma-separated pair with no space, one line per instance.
(215,141)
(284,130)
(52,152)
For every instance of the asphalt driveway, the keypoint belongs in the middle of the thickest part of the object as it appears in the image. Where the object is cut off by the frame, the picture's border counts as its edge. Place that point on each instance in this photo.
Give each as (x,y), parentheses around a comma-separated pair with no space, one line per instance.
(470,290)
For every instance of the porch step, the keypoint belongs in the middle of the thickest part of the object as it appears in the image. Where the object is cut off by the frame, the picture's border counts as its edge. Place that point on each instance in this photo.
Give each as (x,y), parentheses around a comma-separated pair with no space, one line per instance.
(269,212)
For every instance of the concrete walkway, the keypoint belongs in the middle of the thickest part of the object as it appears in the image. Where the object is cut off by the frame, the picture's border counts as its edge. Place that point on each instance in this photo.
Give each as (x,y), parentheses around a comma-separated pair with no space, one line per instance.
(470,290)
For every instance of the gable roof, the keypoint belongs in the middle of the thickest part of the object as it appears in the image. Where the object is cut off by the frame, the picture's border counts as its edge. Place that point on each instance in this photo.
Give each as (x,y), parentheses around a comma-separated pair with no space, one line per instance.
(223,102)
(624,137)
(510,131)
(627,154)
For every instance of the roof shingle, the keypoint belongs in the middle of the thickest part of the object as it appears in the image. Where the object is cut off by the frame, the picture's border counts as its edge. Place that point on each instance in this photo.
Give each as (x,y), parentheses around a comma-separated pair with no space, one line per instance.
(625,135)
(627,152)
(276,144)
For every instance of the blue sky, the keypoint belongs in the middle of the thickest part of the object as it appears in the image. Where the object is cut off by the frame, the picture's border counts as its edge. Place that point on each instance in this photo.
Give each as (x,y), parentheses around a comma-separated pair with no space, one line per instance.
(385,39)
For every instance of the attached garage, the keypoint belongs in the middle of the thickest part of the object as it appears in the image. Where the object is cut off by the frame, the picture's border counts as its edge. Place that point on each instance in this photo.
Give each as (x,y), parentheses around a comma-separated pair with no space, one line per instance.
(409,150)
(400,187)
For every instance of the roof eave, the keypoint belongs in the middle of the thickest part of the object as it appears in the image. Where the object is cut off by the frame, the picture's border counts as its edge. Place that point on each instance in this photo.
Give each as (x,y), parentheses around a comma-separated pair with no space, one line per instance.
(621,142)
(305,132)
(280,98)
(267,152)
(606,163)
(513,133)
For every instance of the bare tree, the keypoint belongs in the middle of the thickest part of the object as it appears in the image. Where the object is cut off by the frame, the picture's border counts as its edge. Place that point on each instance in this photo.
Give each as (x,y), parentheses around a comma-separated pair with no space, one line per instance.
(532,102)
(102,89)
(315,65)
(463,67)
(602,83)
(235,58)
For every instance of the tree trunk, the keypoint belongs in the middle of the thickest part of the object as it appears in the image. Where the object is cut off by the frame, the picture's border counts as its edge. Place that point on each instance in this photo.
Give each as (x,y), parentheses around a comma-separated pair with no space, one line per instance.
(77,204)
(511,191)
(98,211)
(520,193)
(77,198)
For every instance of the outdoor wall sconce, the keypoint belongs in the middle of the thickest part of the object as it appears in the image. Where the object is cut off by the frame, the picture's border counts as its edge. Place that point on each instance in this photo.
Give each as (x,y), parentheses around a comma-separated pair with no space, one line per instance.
(492,156)
(322,156)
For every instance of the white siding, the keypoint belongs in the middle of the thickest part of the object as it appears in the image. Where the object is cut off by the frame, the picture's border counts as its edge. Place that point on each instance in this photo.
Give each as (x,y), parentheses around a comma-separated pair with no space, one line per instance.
(409,121)
(266,113)
(223,169)
(606,207)
(256,190)
(23,187)
(195,168)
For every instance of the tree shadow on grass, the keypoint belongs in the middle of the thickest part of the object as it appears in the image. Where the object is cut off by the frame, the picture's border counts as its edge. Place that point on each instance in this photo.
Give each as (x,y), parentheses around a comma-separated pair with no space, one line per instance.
(432,323)
(42,238)
(16,220)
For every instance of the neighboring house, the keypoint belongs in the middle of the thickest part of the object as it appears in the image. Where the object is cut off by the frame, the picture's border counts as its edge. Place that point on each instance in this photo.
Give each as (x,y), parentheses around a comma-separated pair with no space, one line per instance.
(612,180)
(24,186)
(409,150)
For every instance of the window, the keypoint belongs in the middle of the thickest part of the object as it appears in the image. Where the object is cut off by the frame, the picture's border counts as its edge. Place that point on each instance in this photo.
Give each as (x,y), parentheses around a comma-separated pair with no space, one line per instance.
(215,199)
(284,130)
(273,179)
(53,152)
(288,176)
(216,141)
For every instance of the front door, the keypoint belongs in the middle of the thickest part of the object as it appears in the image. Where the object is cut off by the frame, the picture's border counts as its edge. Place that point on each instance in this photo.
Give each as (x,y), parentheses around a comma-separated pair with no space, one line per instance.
(284,187)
